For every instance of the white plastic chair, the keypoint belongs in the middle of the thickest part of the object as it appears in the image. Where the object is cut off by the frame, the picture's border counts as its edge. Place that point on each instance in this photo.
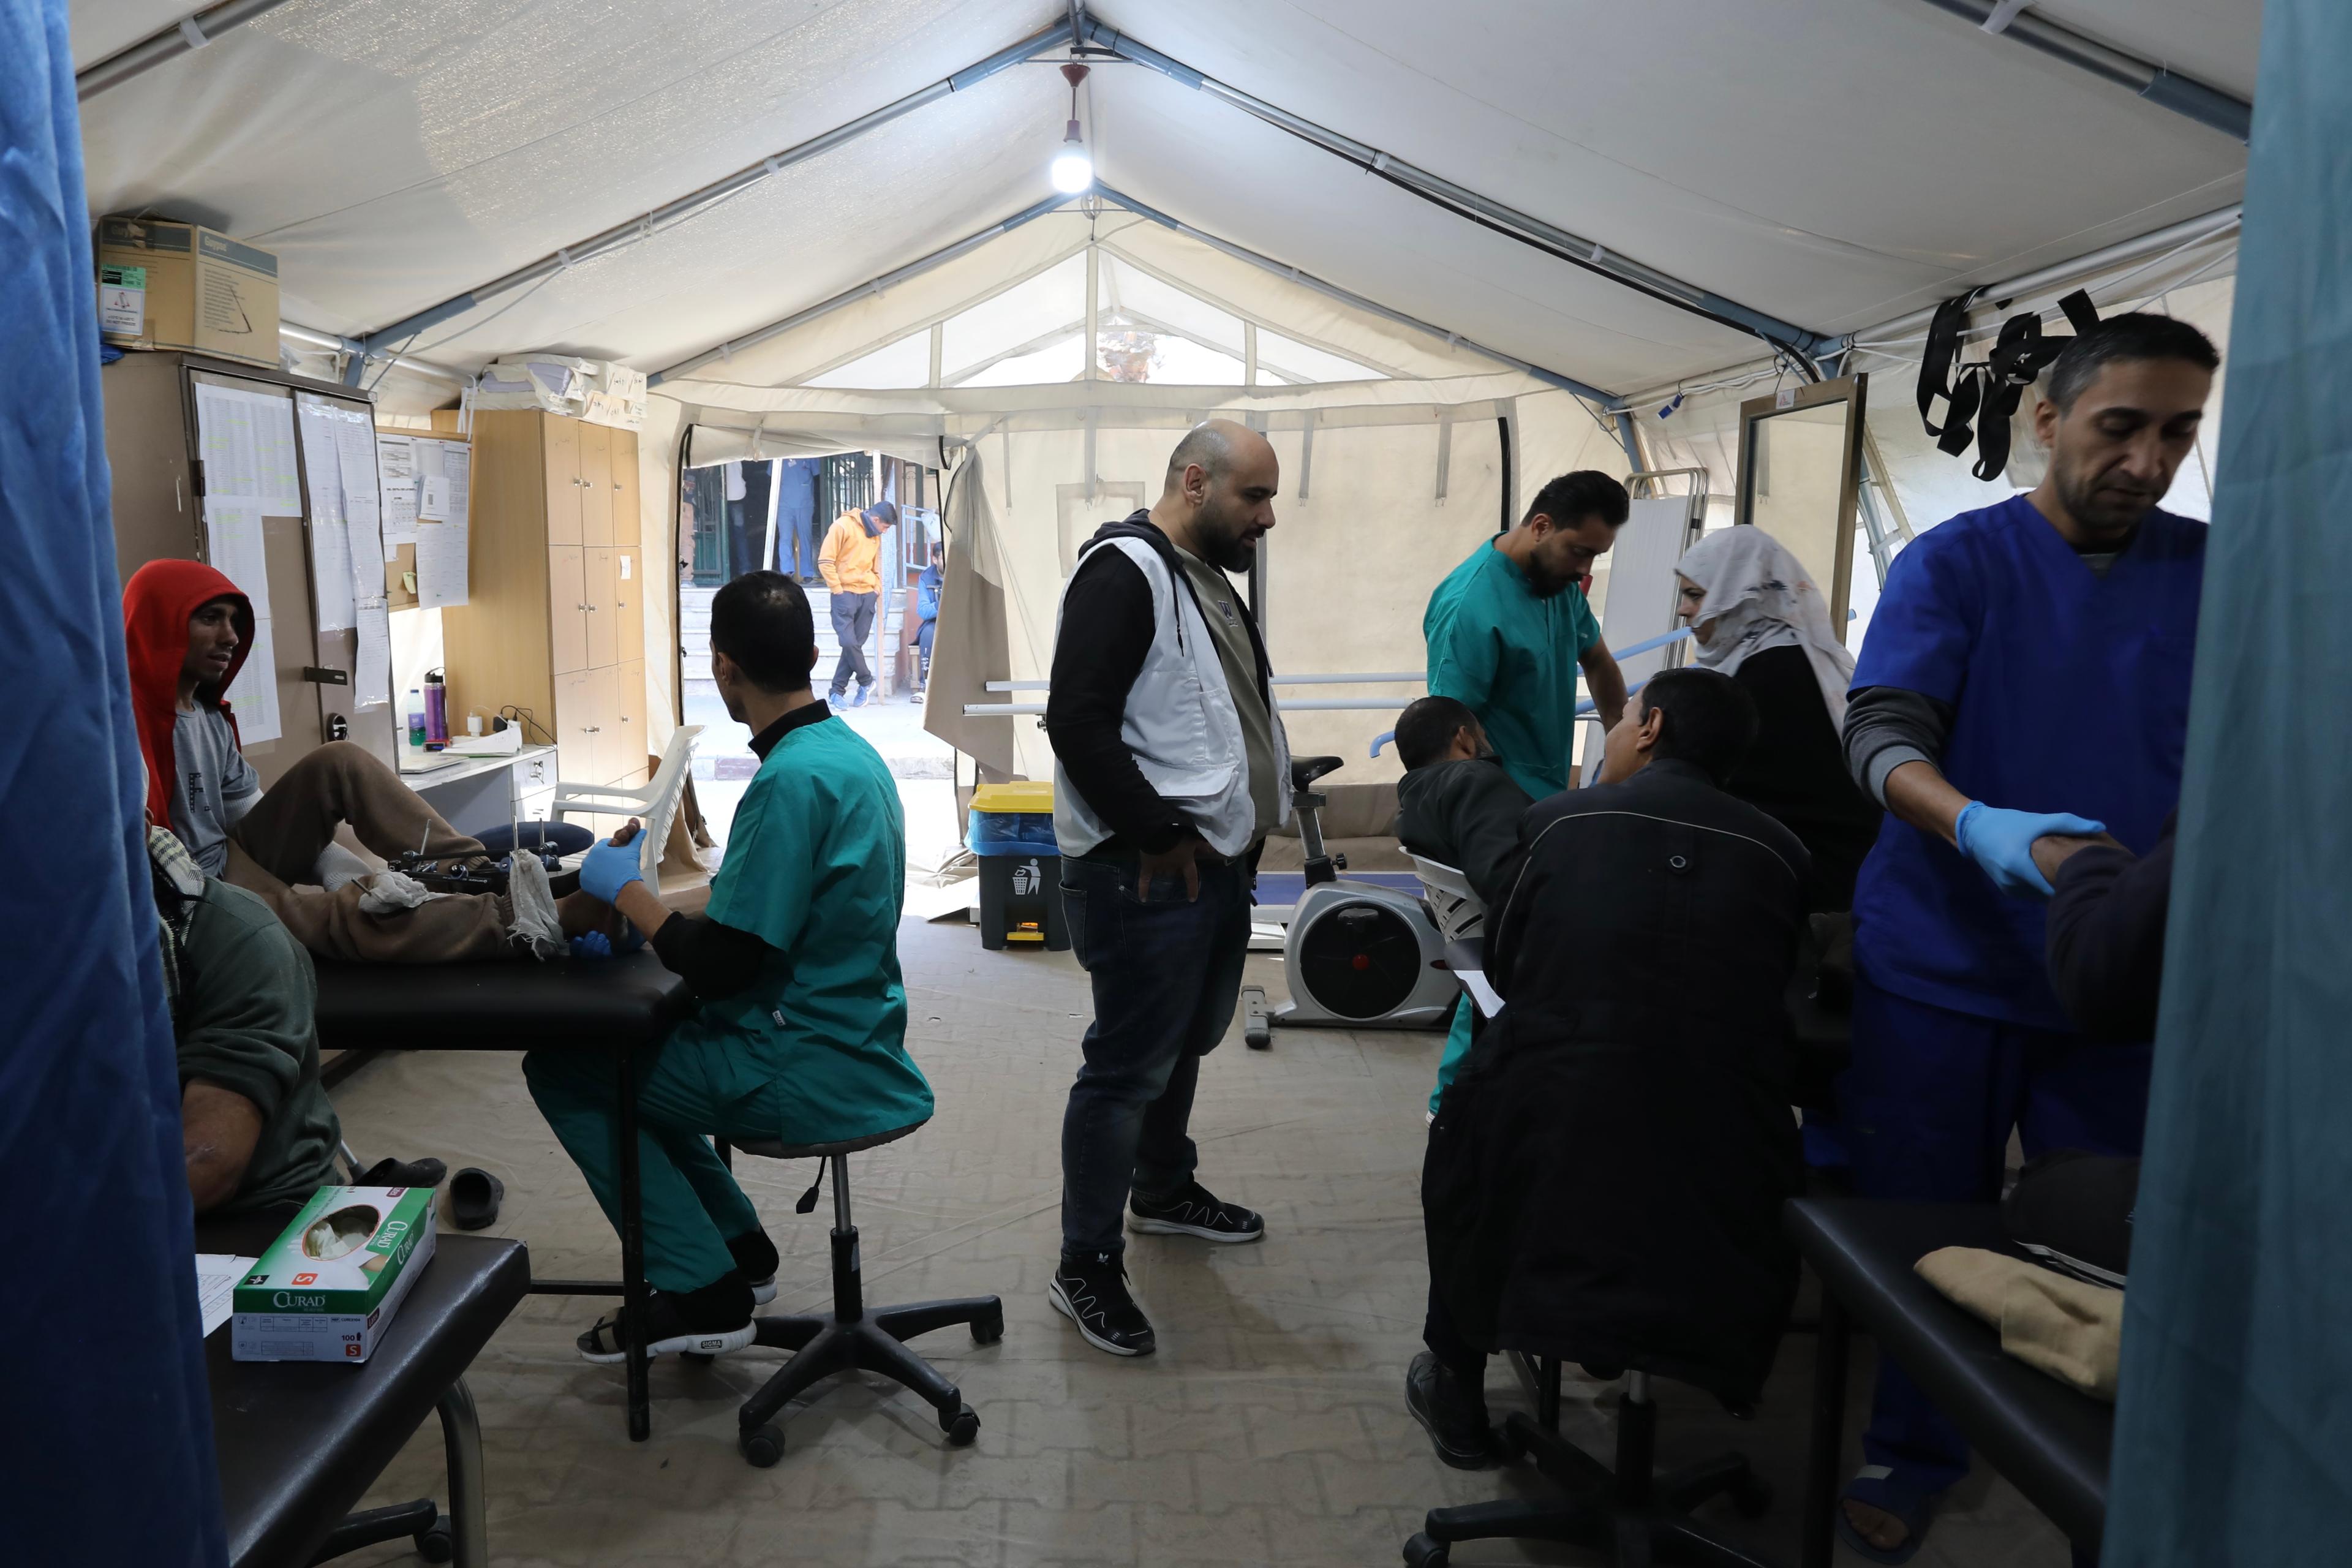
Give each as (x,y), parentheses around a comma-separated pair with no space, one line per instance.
(655,806)
(1459,914)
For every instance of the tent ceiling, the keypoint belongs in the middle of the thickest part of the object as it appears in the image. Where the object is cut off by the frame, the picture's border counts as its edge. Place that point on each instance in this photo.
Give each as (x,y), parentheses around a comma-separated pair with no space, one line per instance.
(1832,162)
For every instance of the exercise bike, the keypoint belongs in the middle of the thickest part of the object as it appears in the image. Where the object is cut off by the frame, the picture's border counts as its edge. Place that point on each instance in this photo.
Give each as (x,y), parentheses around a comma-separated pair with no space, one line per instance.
(1357,955)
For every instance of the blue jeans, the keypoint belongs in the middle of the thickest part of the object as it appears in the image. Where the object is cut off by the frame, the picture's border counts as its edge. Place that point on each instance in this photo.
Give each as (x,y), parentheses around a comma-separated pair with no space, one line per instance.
(1167,972)
(1928,1106)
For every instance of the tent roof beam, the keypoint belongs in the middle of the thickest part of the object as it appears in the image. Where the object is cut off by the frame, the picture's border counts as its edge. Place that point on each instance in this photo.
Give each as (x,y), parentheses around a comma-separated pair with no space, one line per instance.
(2208,105)
(1513,224)
(185,36)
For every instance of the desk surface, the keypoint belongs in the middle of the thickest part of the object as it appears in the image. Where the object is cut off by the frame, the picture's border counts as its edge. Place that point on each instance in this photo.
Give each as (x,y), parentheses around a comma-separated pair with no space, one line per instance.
(299,1442)
(2050,1441)
(461,764)
(512,1006)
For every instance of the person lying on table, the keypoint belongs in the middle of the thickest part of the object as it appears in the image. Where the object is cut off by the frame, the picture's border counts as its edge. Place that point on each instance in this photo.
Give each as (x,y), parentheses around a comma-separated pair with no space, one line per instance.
(1458,805)
(801,1032)
(188,630)
(258,1129)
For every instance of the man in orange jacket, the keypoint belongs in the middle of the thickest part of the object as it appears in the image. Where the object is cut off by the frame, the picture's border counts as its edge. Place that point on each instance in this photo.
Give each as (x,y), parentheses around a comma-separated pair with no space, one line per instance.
(851,562)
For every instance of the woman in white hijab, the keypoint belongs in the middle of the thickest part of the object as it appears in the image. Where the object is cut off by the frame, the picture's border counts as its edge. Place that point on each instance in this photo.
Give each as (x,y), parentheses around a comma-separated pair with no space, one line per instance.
(1756,615)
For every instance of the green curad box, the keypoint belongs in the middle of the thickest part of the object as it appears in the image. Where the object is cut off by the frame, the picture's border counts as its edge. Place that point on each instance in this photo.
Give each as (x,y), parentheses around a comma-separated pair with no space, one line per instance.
(330,1285)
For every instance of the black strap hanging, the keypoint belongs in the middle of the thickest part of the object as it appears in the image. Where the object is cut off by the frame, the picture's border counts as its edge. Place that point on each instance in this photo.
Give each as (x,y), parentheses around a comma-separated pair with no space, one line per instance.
(1983,397)
(1943,347)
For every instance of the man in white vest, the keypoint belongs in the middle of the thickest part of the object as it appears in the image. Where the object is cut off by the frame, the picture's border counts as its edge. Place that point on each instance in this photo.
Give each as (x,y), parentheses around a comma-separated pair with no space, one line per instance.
(1170,768)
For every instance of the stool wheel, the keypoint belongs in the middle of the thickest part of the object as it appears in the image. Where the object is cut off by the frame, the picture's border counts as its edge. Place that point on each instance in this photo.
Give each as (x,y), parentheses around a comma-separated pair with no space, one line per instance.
(1752,1496)
(434,1544)
(762,1447)
(696,1358)
(989,1329)
(1420,1552)
(962,1427)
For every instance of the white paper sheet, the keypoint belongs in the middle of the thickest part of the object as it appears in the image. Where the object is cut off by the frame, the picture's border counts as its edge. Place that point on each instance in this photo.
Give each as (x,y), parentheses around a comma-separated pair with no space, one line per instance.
(372,681)
(248,442)
(217,1274)
(331,543)
(232,547)
(458,468)
(396,472)
(432,499)
(253,694)
(362,503)
(440,565)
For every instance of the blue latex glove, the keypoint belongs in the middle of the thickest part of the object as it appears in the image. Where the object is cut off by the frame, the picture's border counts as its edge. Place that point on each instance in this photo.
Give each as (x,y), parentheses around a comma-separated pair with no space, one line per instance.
(609,867)
(2001,842)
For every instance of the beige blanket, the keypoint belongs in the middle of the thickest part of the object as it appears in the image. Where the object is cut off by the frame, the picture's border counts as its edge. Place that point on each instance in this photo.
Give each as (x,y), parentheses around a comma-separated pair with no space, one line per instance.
(2061,1326)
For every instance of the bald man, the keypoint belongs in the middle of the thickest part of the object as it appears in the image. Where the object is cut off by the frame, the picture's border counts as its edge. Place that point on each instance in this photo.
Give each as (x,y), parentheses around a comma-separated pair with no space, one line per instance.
(1170,767)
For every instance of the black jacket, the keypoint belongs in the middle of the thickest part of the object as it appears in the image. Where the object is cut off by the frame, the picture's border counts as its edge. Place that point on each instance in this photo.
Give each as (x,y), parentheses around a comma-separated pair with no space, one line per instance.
(1106,631)
(1605,1176)
(1796,773)
(2106,938)
(1466,814)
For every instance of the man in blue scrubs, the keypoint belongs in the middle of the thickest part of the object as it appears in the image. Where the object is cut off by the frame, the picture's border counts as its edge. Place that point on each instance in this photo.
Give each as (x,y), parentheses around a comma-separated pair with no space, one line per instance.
(1508,631)
(2026,674)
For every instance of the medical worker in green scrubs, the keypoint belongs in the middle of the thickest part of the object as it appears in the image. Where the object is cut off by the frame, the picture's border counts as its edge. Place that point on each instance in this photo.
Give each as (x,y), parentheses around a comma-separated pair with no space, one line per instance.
(800,1037)
(1508,631)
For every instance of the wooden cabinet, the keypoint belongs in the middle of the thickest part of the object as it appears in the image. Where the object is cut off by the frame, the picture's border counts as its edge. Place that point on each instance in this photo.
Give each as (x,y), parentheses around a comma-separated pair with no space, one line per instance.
(556,624)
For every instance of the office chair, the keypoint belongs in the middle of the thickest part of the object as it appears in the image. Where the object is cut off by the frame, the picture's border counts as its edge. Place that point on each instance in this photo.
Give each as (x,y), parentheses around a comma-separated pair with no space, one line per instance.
(851,1338)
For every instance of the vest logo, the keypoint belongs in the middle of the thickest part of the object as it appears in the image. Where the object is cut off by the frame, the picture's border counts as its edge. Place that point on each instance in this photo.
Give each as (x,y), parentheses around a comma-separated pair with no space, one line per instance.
(1027,878)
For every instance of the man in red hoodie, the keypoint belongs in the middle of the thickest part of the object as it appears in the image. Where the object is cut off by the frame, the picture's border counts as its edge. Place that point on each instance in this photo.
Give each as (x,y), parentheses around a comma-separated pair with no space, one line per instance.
(188,629)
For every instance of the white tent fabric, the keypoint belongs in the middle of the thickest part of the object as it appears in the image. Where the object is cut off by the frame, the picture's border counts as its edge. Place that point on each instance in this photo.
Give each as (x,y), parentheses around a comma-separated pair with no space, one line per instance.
(1831,163)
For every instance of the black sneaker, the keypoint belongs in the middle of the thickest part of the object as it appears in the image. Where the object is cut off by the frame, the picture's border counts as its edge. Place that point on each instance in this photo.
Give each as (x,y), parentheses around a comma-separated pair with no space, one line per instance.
(714,1320)
(1193,1210)
(1455,1416)
(1091,1291)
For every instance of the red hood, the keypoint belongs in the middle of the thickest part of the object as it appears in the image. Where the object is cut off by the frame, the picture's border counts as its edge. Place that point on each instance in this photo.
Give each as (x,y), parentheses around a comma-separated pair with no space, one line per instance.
(156,605)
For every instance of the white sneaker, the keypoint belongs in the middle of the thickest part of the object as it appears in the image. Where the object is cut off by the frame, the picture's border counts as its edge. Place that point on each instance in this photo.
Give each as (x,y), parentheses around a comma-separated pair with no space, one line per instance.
(535,920)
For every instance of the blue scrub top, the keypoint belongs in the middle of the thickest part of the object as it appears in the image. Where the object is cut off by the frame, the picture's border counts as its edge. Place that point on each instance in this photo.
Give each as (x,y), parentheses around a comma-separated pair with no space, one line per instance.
(2070,693)
(1511,658)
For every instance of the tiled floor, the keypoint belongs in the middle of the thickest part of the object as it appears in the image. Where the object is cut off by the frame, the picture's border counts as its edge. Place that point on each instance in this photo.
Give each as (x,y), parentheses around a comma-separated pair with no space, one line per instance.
(1268,1430)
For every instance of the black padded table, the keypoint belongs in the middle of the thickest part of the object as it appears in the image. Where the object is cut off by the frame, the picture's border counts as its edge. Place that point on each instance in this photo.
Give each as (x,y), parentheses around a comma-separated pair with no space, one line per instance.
(625,1005)
(297,1442)
(2048,1440)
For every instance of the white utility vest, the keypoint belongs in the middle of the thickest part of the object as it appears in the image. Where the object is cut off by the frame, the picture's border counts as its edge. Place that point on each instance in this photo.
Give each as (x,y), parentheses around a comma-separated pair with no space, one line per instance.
(1179,724)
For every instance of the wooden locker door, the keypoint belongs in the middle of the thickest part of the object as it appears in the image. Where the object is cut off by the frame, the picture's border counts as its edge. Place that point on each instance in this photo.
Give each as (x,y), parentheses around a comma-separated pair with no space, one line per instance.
(559,439)
(626,523)
(604,690)
(629,723)
(595,485)
(567,607)
(604,614)
(628,605)
(575,726)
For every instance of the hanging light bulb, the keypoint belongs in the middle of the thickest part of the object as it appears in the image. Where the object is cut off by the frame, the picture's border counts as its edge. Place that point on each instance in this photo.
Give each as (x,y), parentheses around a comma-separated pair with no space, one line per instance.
(1073,170)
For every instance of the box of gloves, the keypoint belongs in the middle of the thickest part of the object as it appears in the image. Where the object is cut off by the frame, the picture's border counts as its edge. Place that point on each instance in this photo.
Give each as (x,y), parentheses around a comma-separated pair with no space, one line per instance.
(330,1284)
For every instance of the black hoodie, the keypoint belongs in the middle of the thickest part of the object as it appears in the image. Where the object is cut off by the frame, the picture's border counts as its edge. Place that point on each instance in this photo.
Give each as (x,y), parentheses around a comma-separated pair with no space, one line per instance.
(1106,633)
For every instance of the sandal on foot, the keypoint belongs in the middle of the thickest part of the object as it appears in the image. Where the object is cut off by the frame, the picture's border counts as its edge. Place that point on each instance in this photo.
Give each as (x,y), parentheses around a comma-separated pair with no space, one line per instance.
(1875,1486)
(667,1333)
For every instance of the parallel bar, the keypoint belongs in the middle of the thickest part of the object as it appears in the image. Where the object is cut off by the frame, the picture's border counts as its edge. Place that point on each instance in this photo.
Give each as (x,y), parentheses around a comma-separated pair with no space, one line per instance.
(183,37)
(1608,400)
(626,233)
(889,279)
(1508,221)
(2207,105)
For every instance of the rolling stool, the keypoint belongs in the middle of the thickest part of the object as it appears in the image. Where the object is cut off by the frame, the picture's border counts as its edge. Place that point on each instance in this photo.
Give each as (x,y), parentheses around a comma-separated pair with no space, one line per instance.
(851,1338)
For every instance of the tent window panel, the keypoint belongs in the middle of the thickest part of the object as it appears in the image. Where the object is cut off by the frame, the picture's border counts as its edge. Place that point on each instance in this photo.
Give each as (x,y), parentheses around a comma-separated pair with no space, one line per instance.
(1060,361)
(904,363)
(1129,297)
(1015,319)
(1135,355)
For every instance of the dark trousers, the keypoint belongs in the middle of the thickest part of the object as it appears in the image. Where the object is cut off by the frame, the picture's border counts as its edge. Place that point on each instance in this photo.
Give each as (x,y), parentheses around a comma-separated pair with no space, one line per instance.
(1928,1108)
(923,649)
(853,623)
(1167,974)
(1466,1361)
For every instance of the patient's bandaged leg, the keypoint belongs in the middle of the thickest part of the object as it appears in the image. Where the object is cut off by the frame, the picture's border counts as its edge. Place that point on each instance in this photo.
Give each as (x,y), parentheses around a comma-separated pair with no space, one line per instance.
(295,819)
(459,930)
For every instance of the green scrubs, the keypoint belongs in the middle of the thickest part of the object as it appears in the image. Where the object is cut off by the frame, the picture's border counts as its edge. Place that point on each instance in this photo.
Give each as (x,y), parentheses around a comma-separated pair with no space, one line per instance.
(1511,658)
(811,1051)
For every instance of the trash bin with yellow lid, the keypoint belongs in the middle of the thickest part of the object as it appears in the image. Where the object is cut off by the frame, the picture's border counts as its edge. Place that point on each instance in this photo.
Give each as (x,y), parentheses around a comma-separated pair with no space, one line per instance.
(1012,831)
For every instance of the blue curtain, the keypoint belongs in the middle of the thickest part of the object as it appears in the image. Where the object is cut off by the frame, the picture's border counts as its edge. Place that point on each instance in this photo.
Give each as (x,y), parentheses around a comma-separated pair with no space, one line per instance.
(106,1454)
(2234,1427)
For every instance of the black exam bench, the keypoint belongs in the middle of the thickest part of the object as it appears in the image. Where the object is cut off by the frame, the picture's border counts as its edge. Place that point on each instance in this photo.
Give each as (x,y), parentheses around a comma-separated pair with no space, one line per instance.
(2051,1441)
